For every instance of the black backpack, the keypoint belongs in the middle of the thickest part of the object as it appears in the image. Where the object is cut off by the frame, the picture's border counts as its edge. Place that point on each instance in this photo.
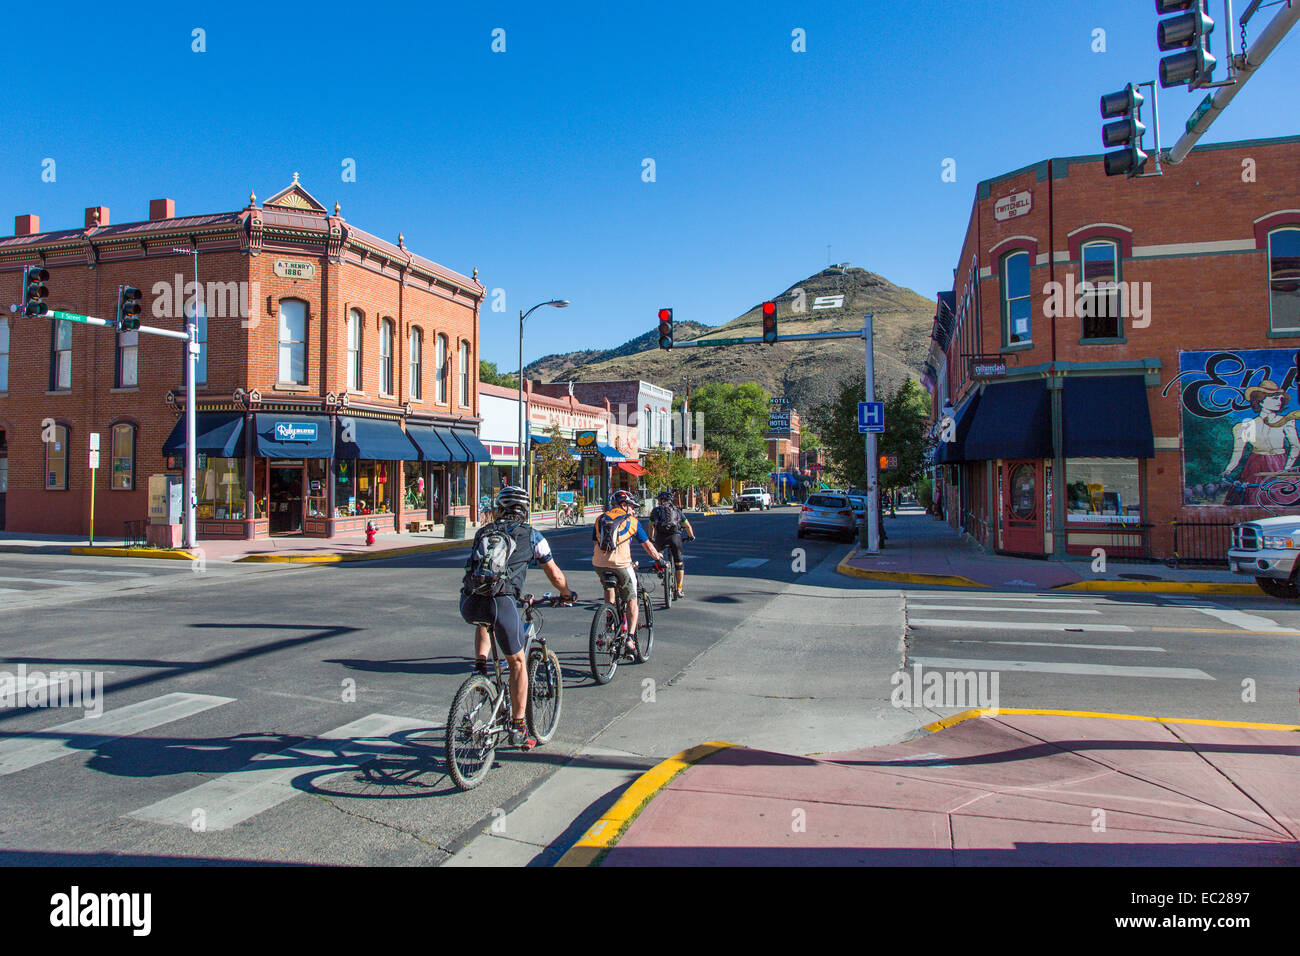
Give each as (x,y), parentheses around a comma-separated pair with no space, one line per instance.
(499,558)
(669,520)
(612,531)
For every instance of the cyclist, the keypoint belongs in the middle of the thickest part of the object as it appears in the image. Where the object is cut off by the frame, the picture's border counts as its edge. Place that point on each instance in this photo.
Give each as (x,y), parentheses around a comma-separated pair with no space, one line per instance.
(499,609)
(618,525)
(668,522)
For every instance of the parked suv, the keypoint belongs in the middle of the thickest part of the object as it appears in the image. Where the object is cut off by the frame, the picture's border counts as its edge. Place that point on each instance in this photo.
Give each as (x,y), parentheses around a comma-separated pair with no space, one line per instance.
(1266,549)
(753,498)
(828,513)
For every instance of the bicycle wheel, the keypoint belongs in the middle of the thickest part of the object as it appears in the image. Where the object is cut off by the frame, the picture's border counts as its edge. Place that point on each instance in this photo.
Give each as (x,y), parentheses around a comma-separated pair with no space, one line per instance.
(603,649)
(645,630)
(470,744)
(670,579)
(545,687)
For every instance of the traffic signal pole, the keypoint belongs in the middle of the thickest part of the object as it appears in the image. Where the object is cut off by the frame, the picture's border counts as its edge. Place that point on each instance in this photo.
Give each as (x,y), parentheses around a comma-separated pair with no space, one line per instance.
(871,527)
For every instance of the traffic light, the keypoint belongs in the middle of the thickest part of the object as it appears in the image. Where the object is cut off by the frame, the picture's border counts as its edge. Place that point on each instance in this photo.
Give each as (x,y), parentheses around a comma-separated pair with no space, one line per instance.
(769,323)
(35,290)
(128,308)
(665,328)
(1127,131)
(884,462)
(1190,32)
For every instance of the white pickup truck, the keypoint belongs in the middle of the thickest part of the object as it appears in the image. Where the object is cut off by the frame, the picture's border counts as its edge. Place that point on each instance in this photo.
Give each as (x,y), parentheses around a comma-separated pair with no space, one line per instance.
(1266,549)
(753,498)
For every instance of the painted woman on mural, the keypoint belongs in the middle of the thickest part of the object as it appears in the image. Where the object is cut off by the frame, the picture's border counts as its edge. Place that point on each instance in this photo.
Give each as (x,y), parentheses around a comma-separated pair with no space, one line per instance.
(1274,448)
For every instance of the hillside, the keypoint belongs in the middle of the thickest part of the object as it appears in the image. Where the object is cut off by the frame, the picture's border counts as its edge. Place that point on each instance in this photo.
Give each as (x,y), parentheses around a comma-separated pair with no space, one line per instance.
(804,372)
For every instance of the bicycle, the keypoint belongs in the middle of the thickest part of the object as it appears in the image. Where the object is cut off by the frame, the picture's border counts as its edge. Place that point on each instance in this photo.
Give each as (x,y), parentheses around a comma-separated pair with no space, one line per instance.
(567,514)
(608,643)
(481,712)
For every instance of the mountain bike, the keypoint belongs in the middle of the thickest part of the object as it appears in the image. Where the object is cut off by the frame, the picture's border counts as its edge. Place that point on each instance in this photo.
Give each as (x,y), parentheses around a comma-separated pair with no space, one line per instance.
(481,712)
(668,578)
(608,644)
(567,514)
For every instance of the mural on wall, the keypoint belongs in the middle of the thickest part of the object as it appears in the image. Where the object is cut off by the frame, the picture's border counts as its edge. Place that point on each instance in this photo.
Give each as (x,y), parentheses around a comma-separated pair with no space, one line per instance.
(1239,409)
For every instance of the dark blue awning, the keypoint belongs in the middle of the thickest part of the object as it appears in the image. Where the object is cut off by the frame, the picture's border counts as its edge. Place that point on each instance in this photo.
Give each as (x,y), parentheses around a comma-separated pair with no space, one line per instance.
(427,440)
(455,450)
(219,434)
(281,435)
(952,452)
(1014,420)
(381,439)
(611,454)
(473,447)
(1106,416)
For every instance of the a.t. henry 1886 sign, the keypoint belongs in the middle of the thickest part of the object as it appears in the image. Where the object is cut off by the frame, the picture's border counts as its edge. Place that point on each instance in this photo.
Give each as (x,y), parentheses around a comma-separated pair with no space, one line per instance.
(294,269)
(1017,204)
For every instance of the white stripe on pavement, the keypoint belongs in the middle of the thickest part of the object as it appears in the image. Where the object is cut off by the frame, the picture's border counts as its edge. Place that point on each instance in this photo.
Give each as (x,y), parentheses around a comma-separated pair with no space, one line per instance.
(980,607)
(1090,647)
(1008,597)
(18,753)
(1062,667)
(9,684)
(125,574)
(748,563)
(55,581)
(1015,625)
(1249,622)
(268,780)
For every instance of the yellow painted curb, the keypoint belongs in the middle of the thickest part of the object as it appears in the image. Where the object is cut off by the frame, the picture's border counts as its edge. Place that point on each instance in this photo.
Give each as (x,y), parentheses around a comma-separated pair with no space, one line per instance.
(132,553)
(905,577)
(1167,587)
(998,712)
(272,558)
(604,833)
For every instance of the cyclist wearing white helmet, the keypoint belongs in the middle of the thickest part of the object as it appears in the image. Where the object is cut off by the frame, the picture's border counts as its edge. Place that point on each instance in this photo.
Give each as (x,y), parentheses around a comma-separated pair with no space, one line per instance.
(494,581)
(613,535)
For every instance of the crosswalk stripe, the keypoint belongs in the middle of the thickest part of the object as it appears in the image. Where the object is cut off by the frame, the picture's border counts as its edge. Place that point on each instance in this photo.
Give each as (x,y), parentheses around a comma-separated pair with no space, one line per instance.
(1087,647)
(1249,622)
(1062,667)
(1015,625)
(980,607)
(748,563)
(123,574)
(9,684)
(1018,598)
(18,753)
(268,780)
(28,580)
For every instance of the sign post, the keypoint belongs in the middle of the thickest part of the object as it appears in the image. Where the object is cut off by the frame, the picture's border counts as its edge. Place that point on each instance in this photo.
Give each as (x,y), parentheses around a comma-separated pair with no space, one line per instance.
(94,466)
(875,425)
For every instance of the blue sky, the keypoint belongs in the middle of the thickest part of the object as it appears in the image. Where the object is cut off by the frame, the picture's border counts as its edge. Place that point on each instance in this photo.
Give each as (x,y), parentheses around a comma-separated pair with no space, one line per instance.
(528,163)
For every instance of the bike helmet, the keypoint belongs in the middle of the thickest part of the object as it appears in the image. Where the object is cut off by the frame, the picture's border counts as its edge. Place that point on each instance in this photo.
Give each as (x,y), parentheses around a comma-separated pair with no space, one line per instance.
(622,498)
(512,500)
(665,496)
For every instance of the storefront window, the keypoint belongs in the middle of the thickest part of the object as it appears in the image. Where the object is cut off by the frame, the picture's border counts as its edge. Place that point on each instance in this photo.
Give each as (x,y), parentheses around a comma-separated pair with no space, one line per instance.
(123,457)
(259,487)
(221,490)
(373,493)
(417,490)
(1105,490)
(317,491)
(459,485)
(345,488)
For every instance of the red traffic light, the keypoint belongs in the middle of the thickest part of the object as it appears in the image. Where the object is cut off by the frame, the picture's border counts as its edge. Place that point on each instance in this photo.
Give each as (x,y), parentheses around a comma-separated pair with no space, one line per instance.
(665,328)
(769,323)
(665,315)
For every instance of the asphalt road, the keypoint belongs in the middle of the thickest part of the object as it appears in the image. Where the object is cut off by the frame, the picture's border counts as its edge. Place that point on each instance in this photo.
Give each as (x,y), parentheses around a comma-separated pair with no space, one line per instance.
(290,713)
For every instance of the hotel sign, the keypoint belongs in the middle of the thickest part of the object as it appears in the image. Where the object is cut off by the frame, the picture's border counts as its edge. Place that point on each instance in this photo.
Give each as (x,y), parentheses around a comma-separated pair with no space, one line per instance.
(293,269)
(1009,207)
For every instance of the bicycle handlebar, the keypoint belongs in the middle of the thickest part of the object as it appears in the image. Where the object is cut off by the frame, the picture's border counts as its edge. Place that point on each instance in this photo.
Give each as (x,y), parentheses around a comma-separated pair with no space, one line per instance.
(549,600)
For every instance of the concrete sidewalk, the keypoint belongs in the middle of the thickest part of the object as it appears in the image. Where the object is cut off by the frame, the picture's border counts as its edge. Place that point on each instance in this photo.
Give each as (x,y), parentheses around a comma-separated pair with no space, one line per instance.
(1021,788)
(923,551)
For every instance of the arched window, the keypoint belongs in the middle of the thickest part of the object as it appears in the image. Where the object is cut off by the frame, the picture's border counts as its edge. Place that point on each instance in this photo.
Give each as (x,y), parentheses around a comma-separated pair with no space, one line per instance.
(464,374)
(293,342)
(354,350)
(1017,323)
(56,459)
(123,453)
(441,372)
(1284,279)
(386,357)
(1100,308)
(416,350)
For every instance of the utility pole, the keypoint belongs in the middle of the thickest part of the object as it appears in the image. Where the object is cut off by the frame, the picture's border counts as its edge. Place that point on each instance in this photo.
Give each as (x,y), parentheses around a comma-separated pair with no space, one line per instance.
(871,527)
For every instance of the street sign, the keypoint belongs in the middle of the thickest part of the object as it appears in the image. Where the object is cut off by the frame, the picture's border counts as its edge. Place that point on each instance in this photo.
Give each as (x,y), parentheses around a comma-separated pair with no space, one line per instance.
(94,459)
(871,418)
(94,441)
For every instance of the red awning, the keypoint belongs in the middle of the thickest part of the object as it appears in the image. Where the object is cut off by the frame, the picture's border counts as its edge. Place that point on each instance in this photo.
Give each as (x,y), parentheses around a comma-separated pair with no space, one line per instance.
(632,468)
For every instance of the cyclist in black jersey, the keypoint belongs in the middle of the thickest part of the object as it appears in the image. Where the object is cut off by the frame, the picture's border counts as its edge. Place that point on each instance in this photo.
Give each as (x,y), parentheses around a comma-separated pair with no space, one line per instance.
(669,522)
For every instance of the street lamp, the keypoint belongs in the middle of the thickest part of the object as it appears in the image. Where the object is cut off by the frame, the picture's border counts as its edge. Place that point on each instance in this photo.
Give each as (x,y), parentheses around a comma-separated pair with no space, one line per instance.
(523,317)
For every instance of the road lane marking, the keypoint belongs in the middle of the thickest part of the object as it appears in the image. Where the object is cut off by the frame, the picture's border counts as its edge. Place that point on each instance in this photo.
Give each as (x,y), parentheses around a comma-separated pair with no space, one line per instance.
(1248,622)
(1018,598)
(18,753)
(1015,625)
(267,781)
(1220,630)
(748,563)
(978,607)
(1098,647)
(1062,667)
(9,682)
(125,574)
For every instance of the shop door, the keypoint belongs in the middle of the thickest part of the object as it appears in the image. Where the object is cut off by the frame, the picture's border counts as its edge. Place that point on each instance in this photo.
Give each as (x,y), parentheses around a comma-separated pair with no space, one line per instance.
(437,496)
(4,476)
(286,500)
(1022,509)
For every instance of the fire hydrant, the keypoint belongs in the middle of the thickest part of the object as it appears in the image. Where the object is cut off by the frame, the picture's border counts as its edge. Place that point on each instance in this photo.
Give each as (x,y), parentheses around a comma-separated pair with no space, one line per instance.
(371,528)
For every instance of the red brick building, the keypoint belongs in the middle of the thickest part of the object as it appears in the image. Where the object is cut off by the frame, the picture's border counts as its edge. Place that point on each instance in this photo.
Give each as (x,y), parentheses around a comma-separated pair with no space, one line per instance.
(337,384)
(1097,415)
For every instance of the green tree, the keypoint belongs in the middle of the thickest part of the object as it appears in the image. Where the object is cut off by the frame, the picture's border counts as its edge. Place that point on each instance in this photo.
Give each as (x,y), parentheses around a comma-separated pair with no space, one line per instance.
(906,412)
(905,415)
(487,372)
(554,464)
(658,466)
(735,421)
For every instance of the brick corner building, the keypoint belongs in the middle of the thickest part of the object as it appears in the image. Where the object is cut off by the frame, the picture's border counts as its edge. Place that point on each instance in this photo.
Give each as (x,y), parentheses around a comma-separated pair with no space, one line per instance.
(337,379)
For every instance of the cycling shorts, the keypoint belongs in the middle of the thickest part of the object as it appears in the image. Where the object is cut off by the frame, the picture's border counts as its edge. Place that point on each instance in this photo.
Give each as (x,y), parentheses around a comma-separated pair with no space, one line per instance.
(626,585)
(499,613)
(672,544)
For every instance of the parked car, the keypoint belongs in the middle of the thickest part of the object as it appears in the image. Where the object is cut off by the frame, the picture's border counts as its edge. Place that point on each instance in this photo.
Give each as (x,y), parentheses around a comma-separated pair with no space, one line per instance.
(859,505)
(1266,549)
(828,514)
(753,498)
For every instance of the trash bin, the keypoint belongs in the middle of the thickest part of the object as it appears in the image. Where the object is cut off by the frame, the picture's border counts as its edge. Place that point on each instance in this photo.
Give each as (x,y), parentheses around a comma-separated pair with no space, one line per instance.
(455,526)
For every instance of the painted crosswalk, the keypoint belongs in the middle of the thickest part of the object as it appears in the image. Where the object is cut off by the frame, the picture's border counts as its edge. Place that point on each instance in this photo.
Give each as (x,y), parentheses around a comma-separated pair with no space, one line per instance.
(966,623)
(1060,667)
